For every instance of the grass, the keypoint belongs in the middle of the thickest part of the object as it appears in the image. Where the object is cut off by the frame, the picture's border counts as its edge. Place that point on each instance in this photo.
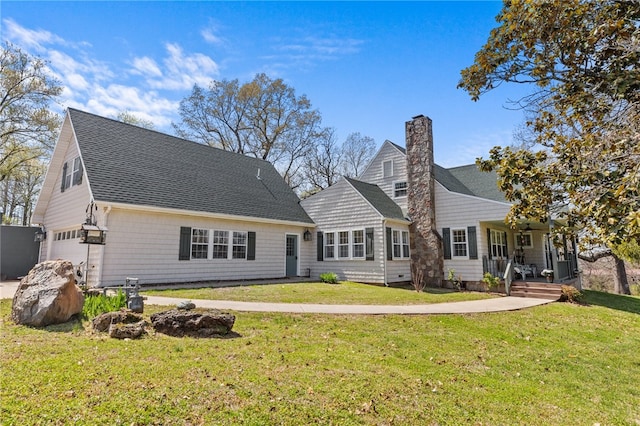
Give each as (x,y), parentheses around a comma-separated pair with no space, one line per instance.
(343,293)
(554,364)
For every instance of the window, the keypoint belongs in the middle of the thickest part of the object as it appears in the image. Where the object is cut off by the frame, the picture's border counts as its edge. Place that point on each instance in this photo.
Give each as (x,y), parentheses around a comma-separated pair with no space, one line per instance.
(329,245)
(77,172)
(400,240)
(73,176)
(498,240)
(343,244)
(199,243)
(459,242)
(400,189)
(358,243)
(405,244)
(387,168)
(220,244)
(239,248)
(524,240)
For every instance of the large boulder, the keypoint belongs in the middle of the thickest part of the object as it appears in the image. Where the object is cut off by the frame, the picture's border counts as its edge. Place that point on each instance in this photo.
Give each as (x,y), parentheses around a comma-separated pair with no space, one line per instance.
(47,295)
(193,323)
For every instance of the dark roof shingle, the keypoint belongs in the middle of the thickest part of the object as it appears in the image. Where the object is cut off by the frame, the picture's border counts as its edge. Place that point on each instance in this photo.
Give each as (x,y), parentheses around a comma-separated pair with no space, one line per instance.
(132,165)
(378,199)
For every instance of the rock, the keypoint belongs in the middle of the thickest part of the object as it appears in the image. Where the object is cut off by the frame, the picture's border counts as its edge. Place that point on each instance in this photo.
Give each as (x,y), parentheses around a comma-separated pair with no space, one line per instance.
(47,295)
(102,322)
(126,331)
(186,305)
(193,323)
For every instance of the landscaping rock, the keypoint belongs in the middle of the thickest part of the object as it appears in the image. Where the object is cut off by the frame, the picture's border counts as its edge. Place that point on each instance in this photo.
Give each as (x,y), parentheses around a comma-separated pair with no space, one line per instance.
(126,331)
(102,322)
(186,305)
(193,323)
(47,295)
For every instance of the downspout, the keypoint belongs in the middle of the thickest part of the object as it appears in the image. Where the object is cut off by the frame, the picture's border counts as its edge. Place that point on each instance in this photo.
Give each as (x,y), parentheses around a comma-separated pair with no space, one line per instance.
(384,251)
(106,211)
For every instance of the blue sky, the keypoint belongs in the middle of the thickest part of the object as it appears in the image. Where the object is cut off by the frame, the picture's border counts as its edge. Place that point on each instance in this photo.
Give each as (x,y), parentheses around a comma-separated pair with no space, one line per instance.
(368,67)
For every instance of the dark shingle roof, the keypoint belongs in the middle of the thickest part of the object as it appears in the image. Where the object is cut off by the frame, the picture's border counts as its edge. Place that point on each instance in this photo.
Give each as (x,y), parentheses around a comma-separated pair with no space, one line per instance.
(378,199)
(132,165)
(481,184)
(468,180)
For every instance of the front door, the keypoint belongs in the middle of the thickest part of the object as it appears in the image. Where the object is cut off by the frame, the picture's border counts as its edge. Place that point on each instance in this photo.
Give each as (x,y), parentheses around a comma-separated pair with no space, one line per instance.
(292,256)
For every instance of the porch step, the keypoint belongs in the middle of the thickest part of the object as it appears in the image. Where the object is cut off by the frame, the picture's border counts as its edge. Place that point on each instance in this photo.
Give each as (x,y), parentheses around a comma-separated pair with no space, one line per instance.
(537,290)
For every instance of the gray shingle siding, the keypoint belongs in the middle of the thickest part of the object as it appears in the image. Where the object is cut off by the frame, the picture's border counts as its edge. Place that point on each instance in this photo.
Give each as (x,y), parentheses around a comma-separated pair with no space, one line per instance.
(131,165)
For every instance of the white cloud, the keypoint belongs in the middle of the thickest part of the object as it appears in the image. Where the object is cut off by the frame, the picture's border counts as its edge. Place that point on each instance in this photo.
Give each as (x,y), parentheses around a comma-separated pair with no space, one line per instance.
(183,71)
(26,38)
(209,36)
(146,66)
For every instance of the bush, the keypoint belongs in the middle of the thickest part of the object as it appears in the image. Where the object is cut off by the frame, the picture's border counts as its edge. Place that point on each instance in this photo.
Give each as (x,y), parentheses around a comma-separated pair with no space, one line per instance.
(95,305)
(491,280)
(571,294)
(329,277)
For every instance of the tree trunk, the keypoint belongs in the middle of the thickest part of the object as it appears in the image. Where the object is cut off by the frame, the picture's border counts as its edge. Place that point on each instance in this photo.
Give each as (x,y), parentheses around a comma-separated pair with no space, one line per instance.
(620,277)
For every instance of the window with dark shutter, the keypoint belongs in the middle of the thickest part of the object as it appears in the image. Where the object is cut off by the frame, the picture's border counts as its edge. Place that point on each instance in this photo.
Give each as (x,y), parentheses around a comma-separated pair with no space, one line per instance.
(369,243)
(389,244)
(446,242)
(77,171)
(320,247)
(185,243)
(473,242)
(251,246)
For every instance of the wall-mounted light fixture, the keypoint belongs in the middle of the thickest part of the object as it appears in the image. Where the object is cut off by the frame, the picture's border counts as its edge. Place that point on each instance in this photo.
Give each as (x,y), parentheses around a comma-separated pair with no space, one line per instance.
(40,235)
(307,235)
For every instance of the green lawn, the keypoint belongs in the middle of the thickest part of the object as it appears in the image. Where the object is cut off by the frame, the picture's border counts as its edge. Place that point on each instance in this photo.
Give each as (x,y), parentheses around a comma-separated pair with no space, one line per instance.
(343,293)
(557,364)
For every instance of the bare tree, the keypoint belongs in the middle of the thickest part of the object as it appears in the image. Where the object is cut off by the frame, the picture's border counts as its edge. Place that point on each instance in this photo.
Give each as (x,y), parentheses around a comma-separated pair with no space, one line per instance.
(128,117)
(263,118)
(357,152)
(323,164)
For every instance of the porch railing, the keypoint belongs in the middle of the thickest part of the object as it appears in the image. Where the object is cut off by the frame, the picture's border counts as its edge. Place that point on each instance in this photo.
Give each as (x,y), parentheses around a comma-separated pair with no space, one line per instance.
(496,267)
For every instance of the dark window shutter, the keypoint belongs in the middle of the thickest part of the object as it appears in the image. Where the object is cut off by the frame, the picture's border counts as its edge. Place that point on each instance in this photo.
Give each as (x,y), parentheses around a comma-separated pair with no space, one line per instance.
(368,242)
(489,243)
(506,246)
(320,246)
(251,246)
(473,242)
(185,243)
(64,177)
(446,242)
(389,244)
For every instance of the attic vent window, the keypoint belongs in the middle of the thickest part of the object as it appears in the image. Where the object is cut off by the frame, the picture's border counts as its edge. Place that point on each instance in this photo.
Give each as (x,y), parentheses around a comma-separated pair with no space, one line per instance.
(387,168)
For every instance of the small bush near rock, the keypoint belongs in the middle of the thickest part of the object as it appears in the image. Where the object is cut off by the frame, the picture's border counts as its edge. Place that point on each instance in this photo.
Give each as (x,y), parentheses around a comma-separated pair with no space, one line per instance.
(97,304)
(571,294)
(329,277)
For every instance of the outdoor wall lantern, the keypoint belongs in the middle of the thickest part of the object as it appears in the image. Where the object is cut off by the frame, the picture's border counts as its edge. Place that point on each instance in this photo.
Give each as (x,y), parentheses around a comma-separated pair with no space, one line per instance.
(307,235)
(90,232)
(40,235)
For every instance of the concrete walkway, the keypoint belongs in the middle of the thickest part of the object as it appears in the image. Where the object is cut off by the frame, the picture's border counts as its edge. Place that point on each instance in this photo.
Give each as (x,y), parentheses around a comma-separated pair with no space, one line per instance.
(499,304)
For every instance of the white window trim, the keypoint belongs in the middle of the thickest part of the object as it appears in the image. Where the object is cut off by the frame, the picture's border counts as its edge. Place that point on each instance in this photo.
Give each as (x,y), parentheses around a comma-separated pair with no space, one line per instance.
(401,233)
(384,176)
(336,245)
(517,240)
(499,243)
(453,243)
(405,189)
(230,245)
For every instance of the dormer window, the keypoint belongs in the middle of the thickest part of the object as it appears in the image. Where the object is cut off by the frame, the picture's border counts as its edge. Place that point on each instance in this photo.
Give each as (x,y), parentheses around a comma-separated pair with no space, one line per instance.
(71,173)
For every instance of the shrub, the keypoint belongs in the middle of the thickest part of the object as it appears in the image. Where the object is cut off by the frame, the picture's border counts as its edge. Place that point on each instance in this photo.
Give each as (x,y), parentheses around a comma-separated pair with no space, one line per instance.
(491,280)
(95,305)
(456,281)
(417,278)
(571,294)
(329,277)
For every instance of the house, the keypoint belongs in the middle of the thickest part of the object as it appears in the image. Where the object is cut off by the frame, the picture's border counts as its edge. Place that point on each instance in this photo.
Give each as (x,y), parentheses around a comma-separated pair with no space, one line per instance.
(454,219)
(174,211)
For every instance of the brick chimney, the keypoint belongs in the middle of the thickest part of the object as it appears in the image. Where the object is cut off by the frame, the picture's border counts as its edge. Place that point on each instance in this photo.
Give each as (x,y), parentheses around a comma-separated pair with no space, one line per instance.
(426,243)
